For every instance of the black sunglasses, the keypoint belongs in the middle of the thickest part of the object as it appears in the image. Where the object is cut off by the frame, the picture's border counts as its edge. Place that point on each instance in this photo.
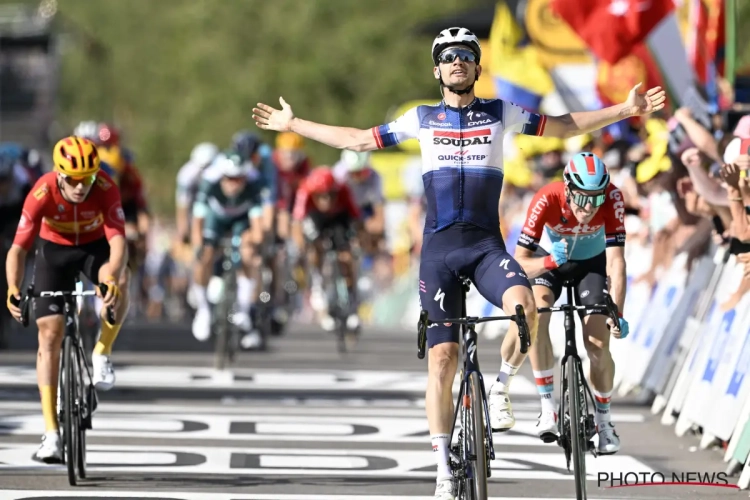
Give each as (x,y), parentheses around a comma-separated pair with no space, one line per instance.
(450,55)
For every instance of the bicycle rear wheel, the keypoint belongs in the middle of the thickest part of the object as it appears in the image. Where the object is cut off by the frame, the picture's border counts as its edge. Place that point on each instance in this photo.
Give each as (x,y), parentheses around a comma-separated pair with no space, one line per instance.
(477,439)
(69,423)
(578,438)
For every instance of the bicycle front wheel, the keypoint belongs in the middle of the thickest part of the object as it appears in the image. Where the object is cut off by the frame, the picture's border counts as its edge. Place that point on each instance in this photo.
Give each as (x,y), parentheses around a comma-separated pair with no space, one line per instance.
(577,430)
(70,419)
(478,439)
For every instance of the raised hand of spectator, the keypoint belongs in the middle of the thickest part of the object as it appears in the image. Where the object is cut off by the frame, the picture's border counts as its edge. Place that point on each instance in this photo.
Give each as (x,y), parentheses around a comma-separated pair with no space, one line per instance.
(691,158)
(730,173)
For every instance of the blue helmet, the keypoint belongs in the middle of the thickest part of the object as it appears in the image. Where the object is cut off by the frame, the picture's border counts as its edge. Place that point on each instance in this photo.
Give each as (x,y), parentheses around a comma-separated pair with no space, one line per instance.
(587,172)
(245,143)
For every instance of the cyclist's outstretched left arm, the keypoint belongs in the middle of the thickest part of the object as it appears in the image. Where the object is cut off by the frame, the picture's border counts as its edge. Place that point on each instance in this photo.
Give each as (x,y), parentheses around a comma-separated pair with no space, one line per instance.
(583,122)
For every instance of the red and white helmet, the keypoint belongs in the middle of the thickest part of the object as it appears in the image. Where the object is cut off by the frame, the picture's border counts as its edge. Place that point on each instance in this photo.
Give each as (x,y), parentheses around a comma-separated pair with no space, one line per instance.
(455,36)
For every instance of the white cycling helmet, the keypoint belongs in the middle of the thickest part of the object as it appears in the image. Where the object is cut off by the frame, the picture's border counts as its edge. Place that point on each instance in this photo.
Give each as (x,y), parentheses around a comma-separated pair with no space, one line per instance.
(354,161)
(204,153)
(455,36)
(231,166)
(87,130)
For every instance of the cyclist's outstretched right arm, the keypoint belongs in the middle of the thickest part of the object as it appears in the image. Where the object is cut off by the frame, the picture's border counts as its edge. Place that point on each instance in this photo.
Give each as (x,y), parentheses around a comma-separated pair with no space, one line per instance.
(405,127)
(354,139)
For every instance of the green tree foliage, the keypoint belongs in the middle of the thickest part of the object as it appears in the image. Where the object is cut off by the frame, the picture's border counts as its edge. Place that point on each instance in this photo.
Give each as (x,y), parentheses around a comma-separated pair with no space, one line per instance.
(176,72)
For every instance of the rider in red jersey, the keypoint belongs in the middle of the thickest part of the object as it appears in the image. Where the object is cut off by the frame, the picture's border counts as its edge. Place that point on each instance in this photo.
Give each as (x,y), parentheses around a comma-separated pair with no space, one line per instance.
(325,214)
(77,214)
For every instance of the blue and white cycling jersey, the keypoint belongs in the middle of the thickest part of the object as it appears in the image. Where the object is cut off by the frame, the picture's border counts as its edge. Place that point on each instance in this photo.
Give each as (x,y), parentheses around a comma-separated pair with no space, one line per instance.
(462,156)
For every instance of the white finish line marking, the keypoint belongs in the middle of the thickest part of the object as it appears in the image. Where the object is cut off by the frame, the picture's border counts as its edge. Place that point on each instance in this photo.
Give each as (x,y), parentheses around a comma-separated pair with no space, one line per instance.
(272,461)
(523,410)
(265,380)
(189,495)
(268,428)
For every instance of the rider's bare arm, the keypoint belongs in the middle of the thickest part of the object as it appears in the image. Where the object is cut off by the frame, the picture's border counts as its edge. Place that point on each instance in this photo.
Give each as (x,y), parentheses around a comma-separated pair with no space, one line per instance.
(617,273)
(15,265)
(353,139)
(583,122)
(118,255)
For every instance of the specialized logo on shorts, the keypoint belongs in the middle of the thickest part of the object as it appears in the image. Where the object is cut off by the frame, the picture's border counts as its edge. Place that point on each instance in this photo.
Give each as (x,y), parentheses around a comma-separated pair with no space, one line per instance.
(41,191)
(504,264)
(439,296)
(585,293)
(510,275)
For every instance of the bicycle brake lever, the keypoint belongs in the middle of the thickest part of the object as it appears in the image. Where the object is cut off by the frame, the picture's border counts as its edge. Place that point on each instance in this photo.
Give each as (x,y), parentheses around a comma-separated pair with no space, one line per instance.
(523,329)
(612,310)
(422,334)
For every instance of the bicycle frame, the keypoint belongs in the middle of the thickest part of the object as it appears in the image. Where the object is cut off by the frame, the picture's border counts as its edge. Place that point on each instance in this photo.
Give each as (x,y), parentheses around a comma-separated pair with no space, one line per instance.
(72,331)
(571,351)
(470,365)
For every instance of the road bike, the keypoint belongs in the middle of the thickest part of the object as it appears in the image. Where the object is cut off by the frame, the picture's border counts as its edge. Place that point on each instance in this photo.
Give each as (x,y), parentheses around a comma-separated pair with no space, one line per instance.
(576,427)
(471,456)
(77,394)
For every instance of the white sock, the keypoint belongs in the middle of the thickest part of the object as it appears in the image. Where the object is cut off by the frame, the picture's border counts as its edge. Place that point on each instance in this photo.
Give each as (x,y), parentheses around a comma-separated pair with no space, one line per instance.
(316,279)
(245,290)
(545,386)
(199,293)
(601,401)
(507,371)
(441,447)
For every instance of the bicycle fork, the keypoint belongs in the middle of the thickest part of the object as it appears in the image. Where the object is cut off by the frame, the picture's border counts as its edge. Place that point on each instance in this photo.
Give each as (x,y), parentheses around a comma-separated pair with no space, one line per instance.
(586,396)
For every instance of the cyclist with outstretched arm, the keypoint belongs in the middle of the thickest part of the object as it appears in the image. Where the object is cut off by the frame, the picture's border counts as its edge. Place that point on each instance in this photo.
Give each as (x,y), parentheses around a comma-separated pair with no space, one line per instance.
(462,169)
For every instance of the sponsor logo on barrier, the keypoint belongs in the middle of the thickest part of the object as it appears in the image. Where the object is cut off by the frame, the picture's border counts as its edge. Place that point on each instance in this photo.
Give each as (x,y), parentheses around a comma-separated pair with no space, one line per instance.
(620,480)
(652,331)
(740,369)
(717,349)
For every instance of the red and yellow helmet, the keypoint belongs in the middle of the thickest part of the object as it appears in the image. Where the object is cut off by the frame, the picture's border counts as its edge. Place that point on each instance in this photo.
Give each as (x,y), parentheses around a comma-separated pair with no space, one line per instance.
(75,157)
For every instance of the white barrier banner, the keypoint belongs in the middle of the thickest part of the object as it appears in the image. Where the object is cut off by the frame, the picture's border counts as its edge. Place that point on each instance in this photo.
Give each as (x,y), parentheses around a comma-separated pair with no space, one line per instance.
(645,339)
(726,374)
(665,356)
(714,337)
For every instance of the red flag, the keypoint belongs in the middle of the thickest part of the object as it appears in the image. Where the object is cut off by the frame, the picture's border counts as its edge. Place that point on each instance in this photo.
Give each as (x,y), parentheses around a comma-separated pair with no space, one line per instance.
(706,37)
(612,28)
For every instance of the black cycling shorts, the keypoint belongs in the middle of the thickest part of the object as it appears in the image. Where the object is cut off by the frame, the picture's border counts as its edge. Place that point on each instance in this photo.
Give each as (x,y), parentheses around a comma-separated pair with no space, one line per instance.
(589,277)
(56,268)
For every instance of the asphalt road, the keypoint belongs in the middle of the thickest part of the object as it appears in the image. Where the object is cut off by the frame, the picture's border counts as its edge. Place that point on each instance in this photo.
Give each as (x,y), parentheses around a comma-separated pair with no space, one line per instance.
(302,422)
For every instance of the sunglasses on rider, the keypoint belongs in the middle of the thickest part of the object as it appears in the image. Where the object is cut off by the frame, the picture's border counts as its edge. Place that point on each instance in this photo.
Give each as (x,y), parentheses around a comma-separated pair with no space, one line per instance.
(450,55)
(75,181)
(582,199)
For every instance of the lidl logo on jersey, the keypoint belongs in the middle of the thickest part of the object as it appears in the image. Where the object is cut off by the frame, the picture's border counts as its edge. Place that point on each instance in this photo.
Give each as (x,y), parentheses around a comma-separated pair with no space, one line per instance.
(462,139)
